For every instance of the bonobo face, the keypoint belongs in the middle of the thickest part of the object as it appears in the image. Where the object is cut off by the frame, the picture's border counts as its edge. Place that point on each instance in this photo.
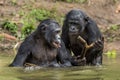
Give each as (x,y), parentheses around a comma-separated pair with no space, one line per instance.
(50,30)
(76,21)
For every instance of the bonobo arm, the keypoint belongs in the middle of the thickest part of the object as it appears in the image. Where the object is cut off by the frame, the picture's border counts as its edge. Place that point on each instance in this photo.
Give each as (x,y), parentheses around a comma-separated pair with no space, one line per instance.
(94,54)
(65,36)
(21,56)
(94,35)
(92,31)
(63,56)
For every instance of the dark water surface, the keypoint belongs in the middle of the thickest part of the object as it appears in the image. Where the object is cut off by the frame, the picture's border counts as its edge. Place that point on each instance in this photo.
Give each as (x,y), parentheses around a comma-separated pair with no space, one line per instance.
(109,71)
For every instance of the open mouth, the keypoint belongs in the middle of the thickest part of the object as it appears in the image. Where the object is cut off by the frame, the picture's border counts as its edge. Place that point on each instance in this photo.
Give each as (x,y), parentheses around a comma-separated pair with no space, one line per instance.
(56,44)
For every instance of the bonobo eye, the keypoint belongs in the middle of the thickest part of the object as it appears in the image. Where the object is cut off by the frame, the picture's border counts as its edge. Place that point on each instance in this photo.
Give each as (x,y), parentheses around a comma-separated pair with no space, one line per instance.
(73,23)
(57,31)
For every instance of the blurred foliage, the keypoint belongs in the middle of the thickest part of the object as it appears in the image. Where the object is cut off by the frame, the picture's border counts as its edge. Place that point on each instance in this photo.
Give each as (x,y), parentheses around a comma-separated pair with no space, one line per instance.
(112,33)
(27,28)
(1,38)
(111,54)
(11,27)
(114,27)
(21,13)
(115,1)
(14,2)
(31,18)
(39,14)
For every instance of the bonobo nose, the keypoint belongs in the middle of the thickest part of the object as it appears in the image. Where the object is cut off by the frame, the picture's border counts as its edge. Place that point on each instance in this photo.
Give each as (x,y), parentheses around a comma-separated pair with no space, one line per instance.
(58,39)
(72,29)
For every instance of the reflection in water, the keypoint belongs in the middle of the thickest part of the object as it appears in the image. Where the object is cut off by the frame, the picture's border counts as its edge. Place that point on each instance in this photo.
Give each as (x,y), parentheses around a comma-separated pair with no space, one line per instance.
(76,73)
(109,71)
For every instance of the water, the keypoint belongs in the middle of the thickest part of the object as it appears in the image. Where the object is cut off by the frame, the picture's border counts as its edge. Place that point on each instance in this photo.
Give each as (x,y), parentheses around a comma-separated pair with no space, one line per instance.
(109,71)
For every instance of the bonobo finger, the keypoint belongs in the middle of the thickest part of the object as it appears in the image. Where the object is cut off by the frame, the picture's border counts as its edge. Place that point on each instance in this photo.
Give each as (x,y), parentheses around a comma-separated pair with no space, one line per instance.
(98,44)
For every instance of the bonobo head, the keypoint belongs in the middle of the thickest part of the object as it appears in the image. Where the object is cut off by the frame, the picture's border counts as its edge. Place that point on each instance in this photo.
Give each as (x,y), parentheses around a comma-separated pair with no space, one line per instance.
(76,21)
(49,30)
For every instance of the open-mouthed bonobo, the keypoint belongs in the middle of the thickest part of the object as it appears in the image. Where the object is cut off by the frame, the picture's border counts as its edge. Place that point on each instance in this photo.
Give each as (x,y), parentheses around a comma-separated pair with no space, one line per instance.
(43,47)
(82,36)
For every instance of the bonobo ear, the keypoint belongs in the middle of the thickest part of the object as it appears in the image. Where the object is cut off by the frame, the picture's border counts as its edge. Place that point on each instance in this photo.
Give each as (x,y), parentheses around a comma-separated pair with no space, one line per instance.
(86,19)
(42,27)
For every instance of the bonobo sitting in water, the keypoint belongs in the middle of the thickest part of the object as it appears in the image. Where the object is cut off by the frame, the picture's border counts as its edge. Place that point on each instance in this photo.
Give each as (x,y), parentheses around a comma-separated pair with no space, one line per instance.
(43,47)
(82,36)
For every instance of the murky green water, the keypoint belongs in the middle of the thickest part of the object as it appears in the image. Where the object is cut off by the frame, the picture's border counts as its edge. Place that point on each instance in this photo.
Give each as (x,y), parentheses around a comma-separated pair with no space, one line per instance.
(109,71)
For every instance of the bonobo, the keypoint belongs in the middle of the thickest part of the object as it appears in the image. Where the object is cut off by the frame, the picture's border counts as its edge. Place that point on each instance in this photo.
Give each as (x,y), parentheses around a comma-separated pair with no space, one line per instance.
(43,47)
(82,36)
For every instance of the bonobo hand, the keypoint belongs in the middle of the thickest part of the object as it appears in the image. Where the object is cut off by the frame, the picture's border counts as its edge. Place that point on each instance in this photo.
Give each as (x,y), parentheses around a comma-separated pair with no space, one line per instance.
(99,44)
(77,61)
